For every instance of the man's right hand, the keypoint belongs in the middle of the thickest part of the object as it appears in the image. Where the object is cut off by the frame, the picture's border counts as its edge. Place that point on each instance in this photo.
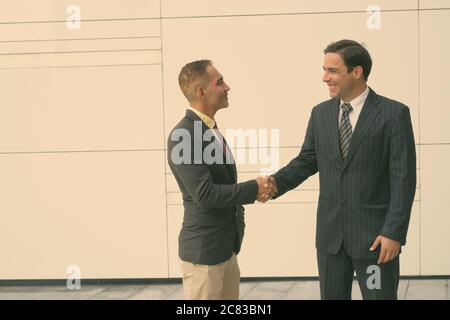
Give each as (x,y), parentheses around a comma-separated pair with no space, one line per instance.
(267,188)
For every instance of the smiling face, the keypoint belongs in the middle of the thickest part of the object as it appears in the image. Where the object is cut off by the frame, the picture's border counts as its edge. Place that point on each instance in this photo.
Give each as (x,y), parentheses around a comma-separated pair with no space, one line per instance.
(341,83)
(216,93)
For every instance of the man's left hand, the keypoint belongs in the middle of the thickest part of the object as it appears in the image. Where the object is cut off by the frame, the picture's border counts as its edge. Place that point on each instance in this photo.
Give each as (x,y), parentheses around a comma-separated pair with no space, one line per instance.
(389,249)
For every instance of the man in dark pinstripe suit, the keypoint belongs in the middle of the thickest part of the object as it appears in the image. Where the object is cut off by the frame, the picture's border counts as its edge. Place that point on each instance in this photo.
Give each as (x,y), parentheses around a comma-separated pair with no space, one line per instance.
(362,145)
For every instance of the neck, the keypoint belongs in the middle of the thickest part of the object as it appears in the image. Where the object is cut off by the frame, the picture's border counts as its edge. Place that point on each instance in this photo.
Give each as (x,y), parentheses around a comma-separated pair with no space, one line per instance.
(204,109)
(357,90)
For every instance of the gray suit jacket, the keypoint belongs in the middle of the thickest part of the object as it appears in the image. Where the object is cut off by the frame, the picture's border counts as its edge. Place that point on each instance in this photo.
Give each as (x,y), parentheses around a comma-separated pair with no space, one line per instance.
(213,222)
(371,192)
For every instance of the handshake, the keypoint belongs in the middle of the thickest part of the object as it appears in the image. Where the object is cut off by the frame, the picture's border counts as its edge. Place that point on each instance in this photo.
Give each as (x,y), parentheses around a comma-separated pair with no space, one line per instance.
(267,188)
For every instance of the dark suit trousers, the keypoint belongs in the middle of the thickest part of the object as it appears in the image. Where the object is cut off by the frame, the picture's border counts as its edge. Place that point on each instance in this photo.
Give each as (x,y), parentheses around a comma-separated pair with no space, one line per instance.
(336,277)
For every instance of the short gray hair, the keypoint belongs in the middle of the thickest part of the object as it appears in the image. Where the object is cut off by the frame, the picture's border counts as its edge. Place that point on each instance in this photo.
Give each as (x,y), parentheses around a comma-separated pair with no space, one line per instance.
(192,76)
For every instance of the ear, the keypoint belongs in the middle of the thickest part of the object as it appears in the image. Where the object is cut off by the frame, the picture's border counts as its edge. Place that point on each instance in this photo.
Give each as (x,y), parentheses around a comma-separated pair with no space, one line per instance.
(358,72)
(199,92)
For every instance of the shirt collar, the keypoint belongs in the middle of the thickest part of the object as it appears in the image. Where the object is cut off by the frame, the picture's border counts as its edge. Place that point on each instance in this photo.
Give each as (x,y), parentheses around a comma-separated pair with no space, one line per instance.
(359,100)
(210,123)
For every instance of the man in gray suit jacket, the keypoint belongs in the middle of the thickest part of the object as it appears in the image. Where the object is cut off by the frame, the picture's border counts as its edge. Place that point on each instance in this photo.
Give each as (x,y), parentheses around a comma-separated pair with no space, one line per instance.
(362,145)
(203,166)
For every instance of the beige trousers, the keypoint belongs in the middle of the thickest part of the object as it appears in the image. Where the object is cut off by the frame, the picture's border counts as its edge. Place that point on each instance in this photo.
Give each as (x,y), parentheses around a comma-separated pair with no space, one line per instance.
(211,282)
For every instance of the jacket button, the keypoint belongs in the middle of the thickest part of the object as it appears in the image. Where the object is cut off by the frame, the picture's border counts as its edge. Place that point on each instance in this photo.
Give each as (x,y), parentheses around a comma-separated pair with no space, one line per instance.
(344,203)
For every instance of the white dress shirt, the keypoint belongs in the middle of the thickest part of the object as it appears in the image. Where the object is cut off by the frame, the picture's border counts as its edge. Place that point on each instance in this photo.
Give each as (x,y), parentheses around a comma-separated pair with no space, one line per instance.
(357,105)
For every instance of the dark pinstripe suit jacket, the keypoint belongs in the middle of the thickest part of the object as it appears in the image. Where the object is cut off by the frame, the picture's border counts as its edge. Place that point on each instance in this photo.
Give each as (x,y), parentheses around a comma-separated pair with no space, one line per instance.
(213,223)
(370,193)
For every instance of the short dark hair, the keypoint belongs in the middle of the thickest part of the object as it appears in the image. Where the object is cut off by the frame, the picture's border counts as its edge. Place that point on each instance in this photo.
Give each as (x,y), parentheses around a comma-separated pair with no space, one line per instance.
(353,54)
(193,75)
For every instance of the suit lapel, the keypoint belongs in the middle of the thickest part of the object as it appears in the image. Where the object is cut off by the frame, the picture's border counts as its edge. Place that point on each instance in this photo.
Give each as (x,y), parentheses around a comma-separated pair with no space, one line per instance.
(368,114)
(230,168)
(332,118)
(233,172)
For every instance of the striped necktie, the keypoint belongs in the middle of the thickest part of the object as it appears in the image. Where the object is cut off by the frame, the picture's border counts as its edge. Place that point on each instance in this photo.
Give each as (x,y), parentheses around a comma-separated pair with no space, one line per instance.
(345,129)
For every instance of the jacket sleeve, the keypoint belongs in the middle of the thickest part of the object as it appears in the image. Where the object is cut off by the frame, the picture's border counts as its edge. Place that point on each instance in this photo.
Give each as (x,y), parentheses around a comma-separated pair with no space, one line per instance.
(301,167)
(402,171)
(197,180)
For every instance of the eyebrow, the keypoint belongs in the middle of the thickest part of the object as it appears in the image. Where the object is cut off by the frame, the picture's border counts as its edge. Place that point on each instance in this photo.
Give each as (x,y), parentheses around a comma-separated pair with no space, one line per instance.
(331,69)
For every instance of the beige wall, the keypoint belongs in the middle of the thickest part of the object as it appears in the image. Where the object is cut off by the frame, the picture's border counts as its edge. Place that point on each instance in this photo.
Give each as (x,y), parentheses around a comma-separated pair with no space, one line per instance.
(85,114)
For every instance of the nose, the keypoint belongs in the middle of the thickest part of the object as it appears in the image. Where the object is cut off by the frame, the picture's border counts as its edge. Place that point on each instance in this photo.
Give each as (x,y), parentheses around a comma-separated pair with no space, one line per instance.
(325,77)
(227,88)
